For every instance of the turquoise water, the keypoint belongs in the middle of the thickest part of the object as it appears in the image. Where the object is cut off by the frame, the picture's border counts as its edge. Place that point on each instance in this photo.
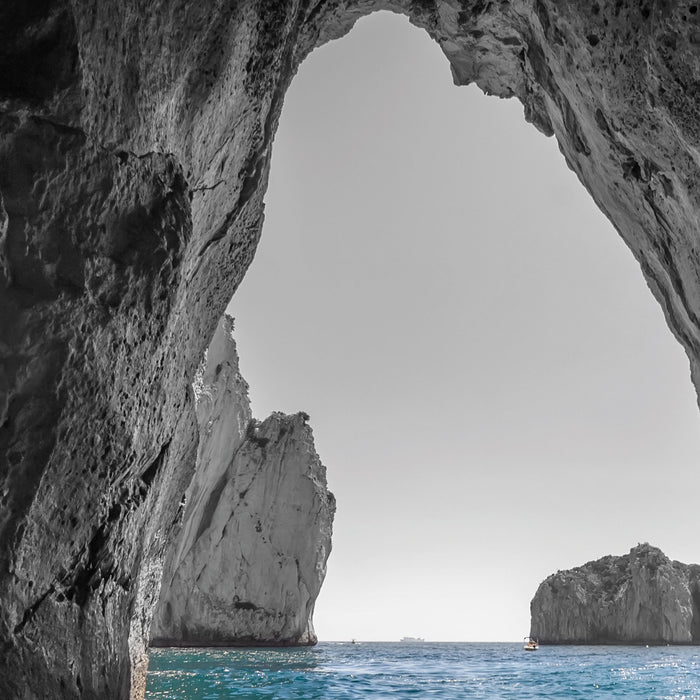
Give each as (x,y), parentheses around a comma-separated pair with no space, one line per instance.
(343,671)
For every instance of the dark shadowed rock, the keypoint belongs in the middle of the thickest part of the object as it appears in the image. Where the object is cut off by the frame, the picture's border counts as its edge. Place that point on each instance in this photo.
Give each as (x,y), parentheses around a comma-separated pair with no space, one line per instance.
(251,558)
(134,155)
(640,598)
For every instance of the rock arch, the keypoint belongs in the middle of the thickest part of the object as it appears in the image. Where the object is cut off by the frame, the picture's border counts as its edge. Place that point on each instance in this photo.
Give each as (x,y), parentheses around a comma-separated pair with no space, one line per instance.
(134,152)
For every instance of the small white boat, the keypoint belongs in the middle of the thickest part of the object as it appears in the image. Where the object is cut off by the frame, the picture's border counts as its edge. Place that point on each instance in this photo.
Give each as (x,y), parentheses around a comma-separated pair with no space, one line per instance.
(411,639)
(531,644)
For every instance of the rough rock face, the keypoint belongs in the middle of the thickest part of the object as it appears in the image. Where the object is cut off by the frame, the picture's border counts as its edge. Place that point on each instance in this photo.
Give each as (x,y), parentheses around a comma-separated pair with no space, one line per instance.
(134,153)
(639,598)
(252,554)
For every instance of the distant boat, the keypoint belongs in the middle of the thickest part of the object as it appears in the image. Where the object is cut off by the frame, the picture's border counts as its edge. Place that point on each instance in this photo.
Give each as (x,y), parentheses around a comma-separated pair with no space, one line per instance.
(411,639)
(531,644)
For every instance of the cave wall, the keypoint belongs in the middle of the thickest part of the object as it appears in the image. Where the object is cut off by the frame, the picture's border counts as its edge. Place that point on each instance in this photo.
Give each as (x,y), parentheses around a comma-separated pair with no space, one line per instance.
(134,153)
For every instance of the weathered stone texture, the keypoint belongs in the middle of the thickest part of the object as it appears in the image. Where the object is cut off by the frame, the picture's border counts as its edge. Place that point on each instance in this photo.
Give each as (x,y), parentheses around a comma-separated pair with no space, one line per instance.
(251,558)
(135,141)
(639,598)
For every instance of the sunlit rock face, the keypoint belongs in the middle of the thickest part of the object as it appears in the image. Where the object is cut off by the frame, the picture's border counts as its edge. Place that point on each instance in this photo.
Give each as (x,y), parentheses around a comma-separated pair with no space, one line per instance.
(251,558)
(639,598)
(134,154)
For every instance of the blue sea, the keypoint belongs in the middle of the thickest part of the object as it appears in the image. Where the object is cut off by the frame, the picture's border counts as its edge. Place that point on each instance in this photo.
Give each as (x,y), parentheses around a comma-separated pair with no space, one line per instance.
(335,670)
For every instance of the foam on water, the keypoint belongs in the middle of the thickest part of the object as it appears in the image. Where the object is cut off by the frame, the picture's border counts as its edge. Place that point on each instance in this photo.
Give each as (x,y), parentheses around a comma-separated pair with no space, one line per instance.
(339,670)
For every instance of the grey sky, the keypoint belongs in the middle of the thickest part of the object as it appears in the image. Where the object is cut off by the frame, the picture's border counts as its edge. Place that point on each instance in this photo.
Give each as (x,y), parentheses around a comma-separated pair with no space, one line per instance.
(491,384)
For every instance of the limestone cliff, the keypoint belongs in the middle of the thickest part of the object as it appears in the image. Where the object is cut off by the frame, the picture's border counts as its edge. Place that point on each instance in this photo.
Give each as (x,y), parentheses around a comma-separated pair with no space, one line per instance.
(639,598)
(135,143)
(252,554)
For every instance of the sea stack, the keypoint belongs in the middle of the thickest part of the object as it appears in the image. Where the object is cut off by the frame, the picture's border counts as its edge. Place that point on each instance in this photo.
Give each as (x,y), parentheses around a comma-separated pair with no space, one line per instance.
(639,598)
(251,556)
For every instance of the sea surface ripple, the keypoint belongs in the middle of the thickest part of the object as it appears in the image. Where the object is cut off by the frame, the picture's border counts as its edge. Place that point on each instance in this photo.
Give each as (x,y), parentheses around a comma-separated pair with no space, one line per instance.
(341,670)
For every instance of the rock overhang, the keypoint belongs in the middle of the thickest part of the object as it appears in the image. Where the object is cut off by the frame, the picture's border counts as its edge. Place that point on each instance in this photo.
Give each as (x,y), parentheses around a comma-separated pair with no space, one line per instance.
(134,155)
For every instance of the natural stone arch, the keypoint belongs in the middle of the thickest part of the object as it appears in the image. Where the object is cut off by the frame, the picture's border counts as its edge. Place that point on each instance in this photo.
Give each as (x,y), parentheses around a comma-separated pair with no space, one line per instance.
(134,153)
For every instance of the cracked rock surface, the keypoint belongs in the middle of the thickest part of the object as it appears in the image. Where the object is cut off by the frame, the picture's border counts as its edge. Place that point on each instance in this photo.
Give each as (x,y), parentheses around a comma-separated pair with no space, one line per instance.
(639,598)
(251,558)
(134,154)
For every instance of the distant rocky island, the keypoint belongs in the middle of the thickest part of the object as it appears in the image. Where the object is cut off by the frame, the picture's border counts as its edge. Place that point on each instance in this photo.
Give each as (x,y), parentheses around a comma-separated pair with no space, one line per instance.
(251,556)
(639,598)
